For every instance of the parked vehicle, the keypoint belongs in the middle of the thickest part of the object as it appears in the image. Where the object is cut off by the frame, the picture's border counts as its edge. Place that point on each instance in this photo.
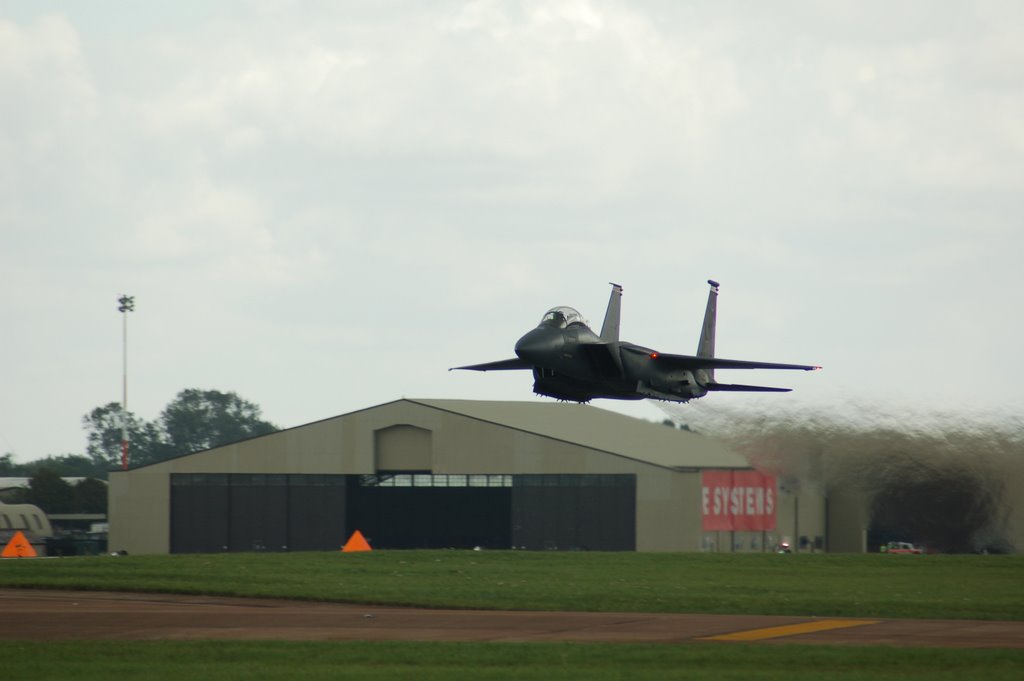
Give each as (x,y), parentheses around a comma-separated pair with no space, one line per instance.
(901,547)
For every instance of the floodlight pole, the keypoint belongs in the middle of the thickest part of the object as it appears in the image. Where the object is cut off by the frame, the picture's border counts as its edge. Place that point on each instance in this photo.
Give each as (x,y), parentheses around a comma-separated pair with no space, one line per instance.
(127,304)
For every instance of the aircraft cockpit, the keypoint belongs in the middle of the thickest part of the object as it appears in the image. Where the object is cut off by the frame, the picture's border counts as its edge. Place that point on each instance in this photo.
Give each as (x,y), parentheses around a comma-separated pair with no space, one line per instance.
(562,317)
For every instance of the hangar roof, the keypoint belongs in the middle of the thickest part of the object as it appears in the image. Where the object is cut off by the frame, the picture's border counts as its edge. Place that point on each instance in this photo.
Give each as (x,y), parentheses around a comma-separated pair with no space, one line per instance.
(578,424)
(601,430)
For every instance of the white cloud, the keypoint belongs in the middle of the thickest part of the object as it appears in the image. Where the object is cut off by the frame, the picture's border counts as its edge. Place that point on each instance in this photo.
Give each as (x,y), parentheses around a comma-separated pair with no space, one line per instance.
(553,82)
(50,126)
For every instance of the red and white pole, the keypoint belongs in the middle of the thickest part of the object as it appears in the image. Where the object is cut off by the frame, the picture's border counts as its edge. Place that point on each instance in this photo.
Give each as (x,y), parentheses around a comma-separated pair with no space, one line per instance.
(127,305)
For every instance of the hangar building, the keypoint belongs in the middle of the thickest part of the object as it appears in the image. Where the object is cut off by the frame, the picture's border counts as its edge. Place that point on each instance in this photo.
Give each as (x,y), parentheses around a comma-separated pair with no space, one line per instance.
(420,473)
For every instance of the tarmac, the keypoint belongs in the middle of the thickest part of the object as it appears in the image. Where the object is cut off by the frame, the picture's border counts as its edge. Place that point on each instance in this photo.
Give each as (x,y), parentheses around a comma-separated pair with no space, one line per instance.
(53,615)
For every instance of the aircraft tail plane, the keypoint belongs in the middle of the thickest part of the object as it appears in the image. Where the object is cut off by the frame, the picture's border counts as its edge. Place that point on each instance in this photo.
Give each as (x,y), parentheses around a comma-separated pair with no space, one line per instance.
(706,346)
(610,328)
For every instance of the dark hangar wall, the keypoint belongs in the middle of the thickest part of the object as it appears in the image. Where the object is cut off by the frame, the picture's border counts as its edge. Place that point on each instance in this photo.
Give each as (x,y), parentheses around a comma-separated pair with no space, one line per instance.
(217,512)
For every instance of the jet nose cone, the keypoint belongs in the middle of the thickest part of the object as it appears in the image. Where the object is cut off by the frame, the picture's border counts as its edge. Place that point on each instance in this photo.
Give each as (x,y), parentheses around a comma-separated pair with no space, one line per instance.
(538,344)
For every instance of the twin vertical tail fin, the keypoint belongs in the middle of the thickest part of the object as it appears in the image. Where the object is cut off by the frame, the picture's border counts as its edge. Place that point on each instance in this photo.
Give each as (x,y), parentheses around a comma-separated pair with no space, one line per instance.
(610,328)
(706,346)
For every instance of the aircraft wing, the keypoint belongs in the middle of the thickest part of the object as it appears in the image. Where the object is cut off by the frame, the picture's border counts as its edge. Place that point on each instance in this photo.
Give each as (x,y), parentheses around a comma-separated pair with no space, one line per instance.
(500,365)
(734,388)
(690,363)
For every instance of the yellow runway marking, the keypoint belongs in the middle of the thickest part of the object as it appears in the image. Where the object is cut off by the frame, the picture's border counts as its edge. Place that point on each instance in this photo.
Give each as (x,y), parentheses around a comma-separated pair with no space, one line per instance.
(788,630)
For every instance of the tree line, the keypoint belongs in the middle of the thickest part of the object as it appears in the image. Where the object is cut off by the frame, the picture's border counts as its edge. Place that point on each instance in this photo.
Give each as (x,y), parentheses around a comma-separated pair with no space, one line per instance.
(193,421)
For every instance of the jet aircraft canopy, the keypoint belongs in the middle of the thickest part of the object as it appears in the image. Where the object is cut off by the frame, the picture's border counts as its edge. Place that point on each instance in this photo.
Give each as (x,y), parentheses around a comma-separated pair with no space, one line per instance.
(562,316)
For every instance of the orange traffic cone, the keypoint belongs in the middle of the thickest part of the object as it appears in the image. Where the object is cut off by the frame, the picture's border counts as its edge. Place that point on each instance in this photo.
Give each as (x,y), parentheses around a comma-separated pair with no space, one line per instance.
(357,542)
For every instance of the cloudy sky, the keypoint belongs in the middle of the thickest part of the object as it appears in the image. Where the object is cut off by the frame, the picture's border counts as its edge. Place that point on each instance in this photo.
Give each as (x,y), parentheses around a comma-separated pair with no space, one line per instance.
(324,205)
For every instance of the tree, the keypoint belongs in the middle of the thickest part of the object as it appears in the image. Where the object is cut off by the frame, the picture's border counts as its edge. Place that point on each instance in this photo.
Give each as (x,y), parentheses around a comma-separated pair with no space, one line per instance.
(68,466)
(193,421)
(50,492)
(103,424)
(90,496)
(201,419)
(7,465)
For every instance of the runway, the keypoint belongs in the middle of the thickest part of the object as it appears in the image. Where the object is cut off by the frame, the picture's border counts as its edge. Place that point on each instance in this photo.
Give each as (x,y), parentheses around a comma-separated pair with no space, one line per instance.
(49,615)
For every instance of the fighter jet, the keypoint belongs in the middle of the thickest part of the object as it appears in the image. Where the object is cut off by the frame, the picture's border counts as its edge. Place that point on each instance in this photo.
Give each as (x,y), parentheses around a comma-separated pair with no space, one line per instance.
(572,363)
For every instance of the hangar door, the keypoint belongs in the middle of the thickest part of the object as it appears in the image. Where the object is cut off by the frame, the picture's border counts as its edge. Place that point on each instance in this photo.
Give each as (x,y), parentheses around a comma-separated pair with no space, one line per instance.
(403,510)
(574,512)
(426,511)
(252,512)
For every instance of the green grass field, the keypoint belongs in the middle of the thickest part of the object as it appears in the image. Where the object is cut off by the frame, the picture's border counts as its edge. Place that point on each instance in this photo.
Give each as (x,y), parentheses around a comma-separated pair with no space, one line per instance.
(246,660)
(973,587)
(943,587)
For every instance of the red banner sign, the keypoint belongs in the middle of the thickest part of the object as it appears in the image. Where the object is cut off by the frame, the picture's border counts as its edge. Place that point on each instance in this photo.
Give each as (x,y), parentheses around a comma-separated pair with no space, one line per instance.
(743,501)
